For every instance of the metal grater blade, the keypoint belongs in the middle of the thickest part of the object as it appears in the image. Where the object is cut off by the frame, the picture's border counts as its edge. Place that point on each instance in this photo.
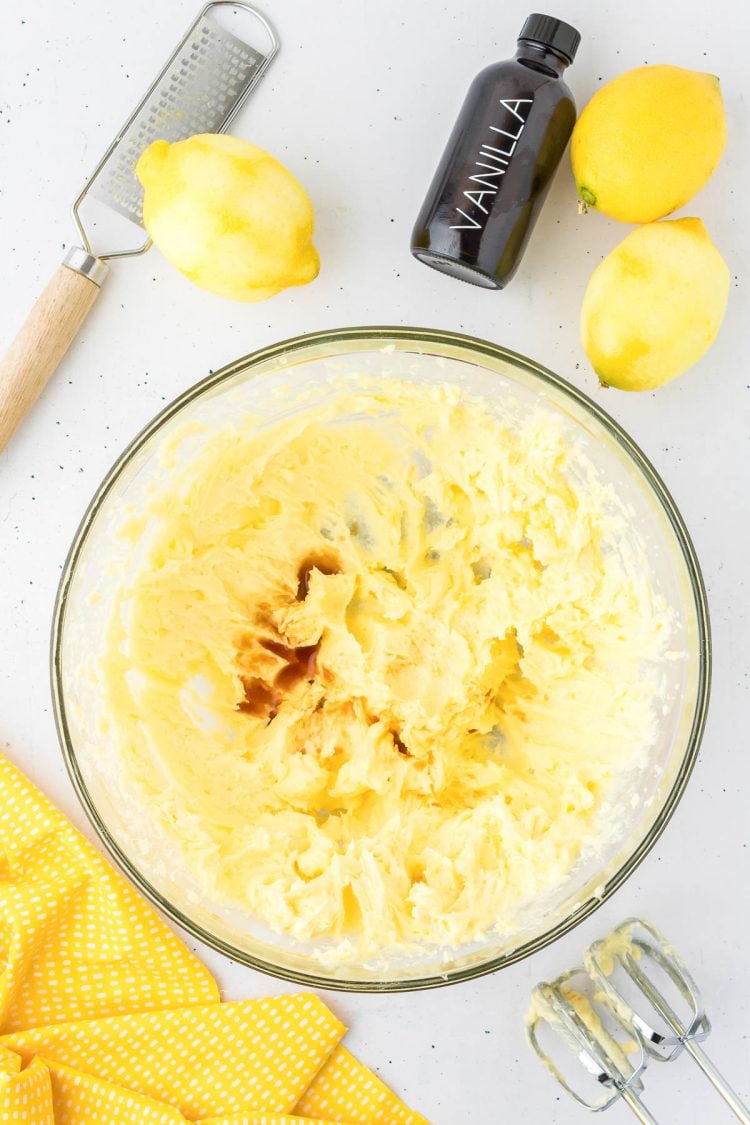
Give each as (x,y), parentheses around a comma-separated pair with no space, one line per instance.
(199,91)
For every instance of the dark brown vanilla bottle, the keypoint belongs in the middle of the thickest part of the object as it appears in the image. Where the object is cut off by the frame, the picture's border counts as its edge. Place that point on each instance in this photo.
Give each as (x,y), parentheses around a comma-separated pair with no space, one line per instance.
(499,162)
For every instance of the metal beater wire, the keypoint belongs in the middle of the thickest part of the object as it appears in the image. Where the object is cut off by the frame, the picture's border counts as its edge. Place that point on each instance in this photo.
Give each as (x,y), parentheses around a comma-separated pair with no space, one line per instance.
(685,1037)
(629,950)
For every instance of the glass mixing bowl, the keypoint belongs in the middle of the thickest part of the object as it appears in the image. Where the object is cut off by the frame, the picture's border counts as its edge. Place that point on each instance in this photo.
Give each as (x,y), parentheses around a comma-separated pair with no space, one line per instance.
(99,561)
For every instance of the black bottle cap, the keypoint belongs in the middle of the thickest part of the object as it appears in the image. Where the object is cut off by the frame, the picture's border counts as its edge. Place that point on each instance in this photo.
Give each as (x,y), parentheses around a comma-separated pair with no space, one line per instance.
(551,33)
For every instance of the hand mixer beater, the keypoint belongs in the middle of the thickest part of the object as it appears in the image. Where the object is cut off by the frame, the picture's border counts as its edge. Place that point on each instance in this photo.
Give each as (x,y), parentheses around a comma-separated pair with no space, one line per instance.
(619,1012)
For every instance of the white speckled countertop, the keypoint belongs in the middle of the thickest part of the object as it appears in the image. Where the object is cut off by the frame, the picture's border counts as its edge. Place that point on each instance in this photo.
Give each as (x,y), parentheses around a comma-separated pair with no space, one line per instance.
(358,104)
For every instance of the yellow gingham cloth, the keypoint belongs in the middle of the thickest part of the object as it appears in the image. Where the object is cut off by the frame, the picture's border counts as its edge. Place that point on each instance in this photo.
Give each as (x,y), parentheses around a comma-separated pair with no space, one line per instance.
(107,1019)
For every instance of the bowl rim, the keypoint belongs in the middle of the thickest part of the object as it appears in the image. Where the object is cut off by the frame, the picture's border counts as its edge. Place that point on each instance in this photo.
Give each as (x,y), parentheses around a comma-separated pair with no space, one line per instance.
(379,335)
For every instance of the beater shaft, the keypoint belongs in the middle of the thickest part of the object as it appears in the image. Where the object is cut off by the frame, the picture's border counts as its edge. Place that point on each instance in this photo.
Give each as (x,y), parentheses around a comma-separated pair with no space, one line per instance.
(639,1110)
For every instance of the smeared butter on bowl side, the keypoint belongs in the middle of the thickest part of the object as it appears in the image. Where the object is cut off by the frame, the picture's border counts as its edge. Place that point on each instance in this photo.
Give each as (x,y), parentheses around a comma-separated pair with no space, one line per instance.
(382,663)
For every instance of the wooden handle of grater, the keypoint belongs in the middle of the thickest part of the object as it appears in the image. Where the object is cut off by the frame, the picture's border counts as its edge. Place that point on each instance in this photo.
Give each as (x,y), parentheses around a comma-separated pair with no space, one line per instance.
(43,340)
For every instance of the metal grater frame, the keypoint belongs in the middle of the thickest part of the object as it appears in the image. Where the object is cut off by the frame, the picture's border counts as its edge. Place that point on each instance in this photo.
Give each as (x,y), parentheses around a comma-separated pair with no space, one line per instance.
(200,89)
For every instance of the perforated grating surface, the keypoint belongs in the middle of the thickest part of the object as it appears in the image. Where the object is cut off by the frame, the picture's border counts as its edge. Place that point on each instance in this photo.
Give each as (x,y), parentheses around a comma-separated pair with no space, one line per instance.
(211,71)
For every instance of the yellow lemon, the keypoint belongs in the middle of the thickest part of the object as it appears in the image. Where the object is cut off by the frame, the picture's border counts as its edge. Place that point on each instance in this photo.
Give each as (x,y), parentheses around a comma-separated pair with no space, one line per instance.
(228,215)
(654,305)
(648,141)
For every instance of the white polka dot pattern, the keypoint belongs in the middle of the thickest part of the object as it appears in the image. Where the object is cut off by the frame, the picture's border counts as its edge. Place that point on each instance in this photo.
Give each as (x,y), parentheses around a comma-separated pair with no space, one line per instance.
(76,940)
(107,1019)
(267,1119)
(345,1090)
(207,1060)
(26,1096)
(81,1099)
